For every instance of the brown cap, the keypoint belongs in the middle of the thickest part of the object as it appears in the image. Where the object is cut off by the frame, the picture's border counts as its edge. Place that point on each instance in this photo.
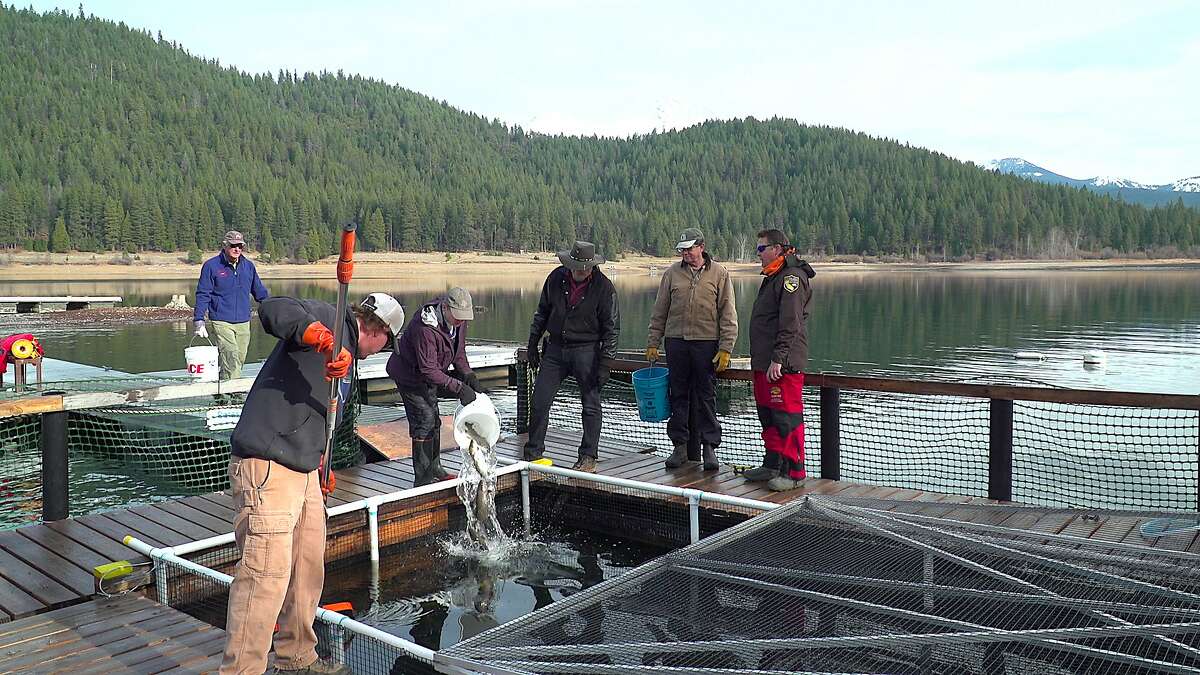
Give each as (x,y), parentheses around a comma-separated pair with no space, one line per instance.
(234,237)
(459,301)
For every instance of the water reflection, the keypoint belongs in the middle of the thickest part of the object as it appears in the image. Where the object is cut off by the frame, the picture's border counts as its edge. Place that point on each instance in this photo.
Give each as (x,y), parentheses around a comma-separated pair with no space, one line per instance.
(931,324)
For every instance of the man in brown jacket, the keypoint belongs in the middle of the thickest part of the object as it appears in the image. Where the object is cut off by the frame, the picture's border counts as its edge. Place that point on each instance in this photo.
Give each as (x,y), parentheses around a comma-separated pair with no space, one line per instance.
(779,357)
(695,311)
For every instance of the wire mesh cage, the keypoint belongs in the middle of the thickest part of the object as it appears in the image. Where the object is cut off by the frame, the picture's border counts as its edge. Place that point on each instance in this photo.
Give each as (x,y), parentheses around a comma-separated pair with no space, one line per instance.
(828,586)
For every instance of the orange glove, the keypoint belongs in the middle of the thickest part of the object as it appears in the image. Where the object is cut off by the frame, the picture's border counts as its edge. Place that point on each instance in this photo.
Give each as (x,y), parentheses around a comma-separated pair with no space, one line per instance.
(319,337)
(338,367)
(326,488)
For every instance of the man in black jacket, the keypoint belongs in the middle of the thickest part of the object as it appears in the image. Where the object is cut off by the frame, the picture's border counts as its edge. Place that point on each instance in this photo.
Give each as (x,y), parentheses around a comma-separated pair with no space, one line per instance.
(578,310)
(277,448)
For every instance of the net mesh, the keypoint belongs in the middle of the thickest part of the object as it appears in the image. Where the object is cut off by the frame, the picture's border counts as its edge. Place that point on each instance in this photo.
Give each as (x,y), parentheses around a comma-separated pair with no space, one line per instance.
(20,471)
(136,453)
(1076,455)
(828,586)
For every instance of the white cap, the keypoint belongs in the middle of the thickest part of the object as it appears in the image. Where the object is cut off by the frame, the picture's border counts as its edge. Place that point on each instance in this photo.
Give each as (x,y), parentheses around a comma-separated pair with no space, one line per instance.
(385,307)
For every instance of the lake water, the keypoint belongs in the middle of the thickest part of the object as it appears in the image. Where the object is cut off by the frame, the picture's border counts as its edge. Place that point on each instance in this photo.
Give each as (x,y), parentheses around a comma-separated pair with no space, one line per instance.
(920,324)
(934,325)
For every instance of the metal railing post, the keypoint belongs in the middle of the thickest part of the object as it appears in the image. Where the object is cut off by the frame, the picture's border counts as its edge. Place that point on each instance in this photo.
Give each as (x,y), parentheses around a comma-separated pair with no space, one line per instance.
(1000,433)
(831,433)
(56,494)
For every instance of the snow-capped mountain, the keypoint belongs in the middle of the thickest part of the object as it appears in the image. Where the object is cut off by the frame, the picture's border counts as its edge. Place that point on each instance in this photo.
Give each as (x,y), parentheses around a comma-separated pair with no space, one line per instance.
(1187,184)
(1187,189)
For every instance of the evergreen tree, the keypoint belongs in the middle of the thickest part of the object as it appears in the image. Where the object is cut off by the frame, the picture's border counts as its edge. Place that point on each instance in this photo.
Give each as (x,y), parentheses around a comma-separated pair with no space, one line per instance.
(60,240)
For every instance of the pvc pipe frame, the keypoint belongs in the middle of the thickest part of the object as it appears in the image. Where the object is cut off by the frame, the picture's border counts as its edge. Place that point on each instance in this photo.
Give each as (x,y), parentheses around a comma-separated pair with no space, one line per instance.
(330,617)
(514,466)
(173,554)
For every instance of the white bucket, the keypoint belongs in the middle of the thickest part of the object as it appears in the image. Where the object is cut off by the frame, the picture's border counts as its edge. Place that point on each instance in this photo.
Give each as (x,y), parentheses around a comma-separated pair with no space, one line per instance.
(202,363)
(481,414)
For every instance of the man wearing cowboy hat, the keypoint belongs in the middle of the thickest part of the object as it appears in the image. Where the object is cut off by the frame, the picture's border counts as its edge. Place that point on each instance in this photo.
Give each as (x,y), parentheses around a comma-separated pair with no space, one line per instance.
(578,312)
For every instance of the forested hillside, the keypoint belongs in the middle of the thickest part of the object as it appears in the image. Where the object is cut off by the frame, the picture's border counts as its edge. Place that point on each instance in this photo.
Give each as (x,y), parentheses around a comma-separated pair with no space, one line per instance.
(113,139)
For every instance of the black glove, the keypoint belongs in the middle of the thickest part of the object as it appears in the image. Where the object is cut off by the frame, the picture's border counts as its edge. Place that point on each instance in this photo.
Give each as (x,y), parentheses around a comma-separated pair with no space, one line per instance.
(533,354)
(602,376)
(472,381)
(466,395)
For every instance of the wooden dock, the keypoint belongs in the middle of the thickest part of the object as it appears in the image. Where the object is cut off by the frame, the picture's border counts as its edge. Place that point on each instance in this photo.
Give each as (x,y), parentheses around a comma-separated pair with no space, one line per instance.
(36,304)
(47,586)
(127,634)
(49,565)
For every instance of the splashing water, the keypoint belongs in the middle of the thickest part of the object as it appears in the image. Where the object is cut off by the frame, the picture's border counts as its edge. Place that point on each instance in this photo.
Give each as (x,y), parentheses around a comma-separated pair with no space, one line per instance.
(477,490)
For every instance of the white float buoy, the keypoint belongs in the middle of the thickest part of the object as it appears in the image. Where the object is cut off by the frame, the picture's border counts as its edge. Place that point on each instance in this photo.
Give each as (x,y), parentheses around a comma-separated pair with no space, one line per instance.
(1094,356)
(1030,356)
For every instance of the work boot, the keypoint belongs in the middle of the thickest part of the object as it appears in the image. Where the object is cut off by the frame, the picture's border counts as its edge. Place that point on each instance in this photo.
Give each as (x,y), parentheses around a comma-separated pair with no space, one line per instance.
(586,464)
(678,457)
(760,473)
(530,456)
(319,667)
(783,484)
(710,458)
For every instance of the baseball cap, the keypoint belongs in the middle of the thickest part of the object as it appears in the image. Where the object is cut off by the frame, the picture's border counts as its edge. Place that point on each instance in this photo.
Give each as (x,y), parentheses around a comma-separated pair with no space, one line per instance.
(234,237)
(689,238)
(460,304)
(386,308)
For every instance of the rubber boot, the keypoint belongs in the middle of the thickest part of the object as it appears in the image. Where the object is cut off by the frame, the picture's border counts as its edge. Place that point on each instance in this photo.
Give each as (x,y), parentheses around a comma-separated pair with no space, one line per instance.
(678,457)
(435,458)
(768,470)
(422,454)
(710,458)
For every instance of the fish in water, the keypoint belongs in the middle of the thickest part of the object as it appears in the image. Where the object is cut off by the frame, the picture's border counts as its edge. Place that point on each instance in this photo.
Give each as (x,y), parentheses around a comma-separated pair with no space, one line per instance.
(478,489)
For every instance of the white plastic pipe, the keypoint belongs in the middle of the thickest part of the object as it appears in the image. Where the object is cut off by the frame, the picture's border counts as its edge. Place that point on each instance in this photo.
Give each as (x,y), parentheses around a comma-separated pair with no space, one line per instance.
(328,616)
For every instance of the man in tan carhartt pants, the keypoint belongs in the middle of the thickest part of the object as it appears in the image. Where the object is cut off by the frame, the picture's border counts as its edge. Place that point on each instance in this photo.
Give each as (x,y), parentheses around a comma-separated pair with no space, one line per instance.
(274,472)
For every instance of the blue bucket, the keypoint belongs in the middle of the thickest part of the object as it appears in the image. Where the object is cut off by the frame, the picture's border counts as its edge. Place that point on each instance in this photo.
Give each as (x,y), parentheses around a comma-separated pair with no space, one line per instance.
(650,389)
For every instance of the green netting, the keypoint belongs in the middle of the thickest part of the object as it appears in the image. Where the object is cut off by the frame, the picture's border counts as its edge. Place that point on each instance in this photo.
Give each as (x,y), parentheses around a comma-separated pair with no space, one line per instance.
(20,471)
(1070,455)
(137,453)
(1105,456)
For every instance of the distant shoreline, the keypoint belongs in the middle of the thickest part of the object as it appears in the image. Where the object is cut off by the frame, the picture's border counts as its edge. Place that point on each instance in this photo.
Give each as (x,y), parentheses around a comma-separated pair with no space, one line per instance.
(28,266)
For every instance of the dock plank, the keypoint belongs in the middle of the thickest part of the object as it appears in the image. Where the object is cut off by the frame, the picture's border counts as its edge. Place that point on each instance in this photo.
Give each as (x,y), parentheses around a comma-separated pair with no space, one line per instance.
(34,582)
(127,634)
(62,570)
(190,530)
(104,545)
(128,522)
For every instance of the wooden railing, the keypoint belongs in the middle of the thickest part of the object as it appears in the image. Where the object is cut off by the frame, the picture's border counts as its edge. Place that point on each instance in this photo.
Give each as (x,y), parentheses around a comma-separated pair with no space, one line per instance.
(1000,420)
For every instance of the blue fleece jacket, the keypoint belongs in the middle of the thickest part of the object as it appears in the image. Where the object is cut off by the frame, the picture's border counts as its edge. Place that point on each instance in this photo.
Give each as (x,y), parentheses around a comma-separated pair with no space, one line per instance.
(224,290)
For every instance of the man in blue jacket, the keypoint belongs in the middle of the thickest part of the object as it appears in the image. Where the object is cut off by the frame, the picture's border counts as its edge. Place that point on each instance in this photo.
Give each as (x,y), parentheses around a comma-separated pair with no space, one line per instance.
(227,281)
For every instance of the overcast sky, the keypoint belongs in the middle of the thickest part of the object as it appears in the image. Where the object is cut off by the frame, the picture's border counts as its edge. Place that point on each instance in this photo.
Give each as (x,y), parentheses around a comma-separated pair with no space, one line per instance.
(1081,88)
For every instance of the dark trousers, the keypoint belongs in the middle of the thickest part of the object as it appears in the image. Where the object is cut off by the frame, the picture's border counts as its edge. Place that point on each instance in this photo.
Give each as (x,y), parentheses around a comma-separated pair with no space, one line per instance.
(421,411)
(558,363)
(692,392)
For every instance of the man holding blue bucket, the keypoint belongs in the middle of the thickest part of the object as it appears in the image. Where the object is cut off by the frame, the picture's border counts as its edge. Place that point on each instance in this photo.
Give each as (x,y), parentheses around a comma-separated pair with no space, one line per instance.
(578,311)
(695,311)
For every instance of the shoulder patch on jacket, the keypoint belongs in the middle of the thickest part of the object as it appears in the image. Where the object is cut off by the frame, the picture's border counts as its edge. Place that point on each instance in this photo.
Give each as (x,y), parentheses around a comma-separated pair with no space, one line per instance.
(790,283)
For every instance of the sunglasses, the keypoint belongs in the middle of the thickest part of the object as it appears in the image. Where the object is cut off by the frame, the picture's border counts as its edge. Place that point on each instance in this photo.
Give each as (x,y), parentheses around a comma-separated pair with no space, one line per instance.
(236,245)
(763,247)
